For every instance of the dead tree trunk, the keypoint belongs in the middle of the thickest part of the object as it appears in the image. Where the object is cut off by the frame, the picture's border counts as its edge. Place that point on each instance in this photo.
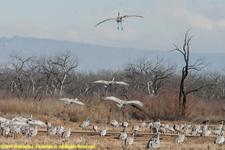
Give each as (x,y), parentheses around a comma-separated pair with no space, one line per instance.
(185,71)
(197,66)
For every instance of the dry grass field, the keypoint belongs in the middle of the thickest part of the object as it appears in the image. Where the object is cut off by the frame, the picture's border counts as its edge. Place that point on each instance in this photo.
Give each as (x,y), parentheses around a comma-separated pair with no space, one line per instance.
(99,113)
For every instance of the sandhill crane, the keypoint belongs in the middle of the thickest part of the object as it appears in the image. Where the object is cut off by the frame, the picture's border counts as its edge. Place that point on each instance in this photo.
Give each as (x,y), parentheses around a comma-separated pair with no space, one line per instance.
(220,126)
(217,132)
(196,128)
(155,129)
(206,132)
(129,140)
(103,132)
(78,140)
(123,103)
(154,142)
(5,131)
(48,125)
(135,128)
(25,130)
(69,101)
(162,130)
(59,131)
(181,138)
(33,132)
(114,124)
(186,131)
(156,123)
(107,83)
(95,128)
(220,139)
(205,127)
(52,131)
(14,130)
(123,135)
(176,128)
(84,124)
(171,129)
(187,126)
(66,133)
(124,125)
(142,125)
(119,19)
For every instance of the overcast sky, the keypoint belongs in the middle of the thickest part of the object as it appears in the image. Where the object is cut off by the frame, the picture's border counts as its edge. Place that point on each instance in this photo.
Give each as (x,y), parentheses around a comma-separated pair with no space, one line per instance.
(164,24)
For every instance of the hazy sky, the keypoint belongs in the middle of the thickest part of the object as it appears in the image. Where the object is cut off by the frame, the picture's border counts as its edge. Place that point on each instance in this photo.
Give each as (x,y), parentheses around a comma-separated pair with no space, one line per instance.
(164,24)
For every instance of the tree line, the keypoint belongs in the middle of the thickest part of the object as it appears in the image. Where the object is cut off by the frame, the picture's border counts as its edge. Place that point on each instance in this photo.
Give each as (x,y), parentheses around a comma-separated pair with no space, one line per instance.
(32,77)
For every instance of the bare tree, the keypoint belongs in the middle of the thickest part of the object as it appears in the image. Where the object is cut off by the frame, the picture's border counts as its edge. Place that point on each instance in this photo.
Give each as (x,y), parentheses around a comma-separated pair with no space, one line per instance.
(198,65)
(64,64)
(148,75)
(18,64)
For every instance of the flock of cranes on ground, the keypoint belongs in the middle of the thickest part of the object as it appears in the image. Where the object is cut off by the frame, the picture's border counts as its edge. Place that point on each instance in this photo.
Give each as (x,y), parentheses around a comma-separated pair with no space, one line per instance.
(18,125)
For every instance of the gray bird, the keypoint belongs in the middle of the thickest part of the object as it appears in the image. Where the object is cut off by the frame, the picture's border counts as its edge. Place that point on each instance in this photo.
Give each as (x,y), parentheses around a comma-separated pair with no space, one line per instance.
(59,131)
(206,132)
(123,135)
(33,132)
(181,138)
(66,133)
(220,139)
(114,124)
(142,125)
(95,128)
(84,124)
(119,19)
(129,140)
(103,132)
(52,131)
(154,142)
(220,126)
(124,125)
(5,131)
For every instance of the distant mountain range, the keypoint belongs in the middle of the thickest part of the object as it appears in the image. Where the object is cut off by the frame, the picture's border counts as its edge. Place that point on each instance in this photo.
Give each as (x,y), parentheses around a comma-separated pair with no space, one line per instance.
(94,57)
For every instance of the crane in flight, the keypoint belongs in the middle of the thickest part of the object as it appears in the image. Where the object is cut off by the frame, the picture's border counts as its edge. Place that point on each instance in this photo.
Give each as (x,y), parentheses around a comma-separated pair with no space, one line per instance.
(119,19)
(123,103)
(69,101)
(106,83)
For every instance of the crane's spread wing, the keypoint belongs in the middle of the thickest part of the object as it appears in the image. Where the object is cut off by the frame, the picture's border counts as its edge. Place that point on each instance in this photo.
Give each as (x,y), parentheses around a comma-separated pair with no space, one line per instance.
(105,20)
(126,16)
(121,83)
(112,98)
(135,102)
(102,81)
(80,103)
(21,119)
(37,122)
(18,123)
(64,99)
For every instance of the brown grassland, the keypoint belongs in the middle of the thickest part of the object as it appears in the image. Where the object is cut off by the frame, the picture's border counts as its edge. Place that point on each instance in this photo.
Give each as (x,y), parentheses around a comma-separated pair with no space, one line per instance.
(99,112)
